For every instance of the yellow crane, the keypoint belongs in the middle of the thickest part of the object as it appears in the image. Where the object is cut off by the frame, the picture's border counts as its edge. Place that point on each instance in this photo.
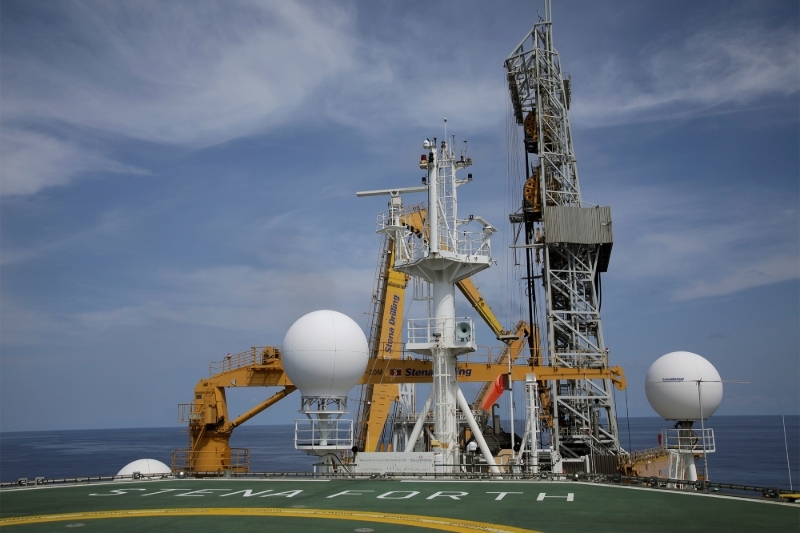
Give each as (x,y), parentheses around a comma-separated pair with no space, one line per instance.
(210,427)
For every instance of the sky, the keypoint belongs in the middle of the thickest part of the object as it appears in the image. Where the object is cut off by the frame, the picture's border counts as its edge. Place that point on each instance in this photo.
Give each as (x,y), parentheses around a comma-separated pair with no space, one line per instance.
(177,182)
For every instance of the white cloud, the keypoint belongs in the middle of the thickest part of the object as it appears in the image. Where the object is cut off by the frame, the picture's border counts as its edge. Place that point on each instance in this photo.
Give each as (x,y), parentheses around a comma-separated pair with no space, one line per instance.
(190,73)
(709,71)
(23,325)
(32,161)
(779,267)
(707,243)
(198,74)
(111,225)
(243,298)
(201,73)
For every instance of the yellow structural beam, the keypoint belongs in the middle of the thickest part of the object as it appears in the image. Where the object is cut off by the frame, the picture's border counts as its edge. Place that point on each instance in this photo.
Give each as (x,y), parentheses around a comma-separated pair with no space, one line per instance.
(390,371)
(470,291)
(210,427)
(379,397)
(272,400)
(421,371)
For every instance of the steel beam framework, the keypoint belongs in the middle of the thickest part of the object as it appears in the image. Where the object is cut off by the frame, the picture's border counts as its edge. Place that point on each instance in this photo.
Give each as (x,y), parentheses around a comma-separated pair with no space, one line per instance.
(583,414)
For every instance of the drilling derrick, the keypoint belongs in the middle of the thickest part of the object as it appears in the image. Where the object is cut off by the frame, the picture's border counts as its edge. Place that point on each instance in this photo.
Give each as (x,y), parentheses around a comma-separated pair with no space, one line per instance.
(567,245)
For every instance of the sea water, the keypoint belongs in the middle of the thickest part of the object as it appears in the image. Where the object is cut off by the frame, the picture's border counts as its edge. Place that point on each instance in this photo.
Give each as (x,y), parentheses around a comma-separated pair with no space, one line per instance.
(750,449)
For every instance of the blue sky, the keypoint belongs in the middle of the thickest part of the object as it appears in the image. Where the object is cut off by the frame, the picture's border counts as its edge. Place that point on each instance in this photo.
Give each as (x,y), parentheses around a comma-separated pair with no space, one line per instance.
(178,183)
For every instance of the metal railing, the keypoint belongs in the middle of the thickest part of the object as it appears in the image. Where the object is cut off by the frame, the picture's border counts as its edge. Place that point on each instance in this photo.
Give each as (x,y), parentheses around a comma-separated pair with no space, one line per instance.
(412,248)
(648,453)
(186,460)
(476,475)
(323,434)
(190,413)
(425,330)
(257,355)
(689,440)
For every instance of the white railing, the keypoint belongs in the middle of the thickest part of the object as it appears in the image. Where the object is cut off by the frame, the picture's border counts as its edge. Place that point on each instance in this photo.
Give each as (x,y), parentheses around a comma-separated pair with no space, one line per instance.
(389,218)
(694,440)
(472,243)
(323,434)
(411,248)
(427,330)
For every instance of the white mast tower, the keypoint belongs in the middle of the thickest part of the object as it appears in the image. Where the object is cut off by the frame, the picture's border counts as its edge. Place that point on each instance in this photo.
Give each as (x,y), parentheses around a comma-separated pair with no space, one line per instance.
(441,255)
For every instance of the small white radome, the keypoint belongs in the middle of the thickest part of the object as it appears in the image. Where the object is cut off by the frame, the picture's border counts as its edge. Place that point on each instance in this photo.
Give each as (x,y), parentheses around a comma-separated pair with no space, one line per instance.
(145,467)
(676,383)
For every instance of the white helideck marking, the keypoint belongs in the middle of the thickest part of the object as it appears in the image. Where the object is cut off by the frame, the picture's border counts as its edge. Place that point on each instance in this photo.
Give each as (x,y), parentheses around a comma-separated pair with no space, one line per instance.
(357,492)
(501,495)
(454,494)
(201,492)
(161,492)
(411,494)
(287,493)
(542,495)
(116,492)
(246,493)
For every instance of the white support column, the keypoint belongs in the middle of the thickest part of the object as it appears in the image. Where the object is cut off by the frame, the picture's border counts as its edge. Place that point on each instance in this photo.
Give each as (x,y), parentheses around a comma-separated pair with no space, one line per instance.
(444,371)
(412,440)
(476,432)
(433,202)
(690,468)
(531,437)
(444,311)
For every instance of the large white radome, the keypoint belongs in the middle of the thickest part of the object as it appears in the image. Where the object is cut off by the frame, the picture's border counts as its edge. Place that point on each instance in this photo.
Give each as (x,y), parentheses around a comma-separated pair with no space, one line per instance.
(672,386)
(145,467)
(325,353)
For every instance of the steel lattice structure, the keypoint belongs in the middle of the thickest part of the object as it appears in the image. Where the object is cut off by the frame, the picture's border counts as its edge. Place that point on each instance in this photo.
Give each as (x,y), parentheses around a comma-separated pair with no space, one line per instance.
(566,272)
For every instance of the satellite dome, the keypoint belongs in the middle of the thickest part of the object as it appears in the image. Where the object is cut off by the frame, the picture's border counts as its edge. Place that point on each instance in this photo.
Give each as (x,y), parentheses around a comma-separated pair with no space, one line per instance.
(325,354)
(145,467)
(677,381)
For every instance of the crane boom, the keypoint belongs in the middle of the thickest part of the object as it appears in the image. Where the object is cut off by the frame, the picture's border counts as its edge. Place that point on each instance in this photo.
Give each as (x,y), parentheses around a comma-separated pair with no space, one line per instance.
(470,291)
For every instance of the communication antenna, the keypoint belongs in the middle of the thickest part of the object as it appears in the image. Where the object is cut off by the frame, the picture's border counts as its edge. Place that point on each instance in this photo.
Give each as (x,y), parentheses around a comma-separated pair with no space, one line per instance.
(786,446)
(441,255)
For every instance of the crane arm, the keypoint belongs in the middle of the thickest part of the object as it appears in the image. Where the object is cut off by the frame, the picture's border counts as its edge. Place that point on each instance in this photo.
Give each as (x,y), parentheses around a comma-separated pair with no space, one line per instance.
(470,291)
(513,350)
(272,400)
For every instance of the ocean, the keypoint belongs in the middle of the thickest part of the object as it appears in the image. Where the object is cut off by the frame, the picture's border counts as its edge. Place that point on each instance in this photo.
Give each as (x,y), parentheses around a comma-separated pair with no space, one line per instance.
(750,449)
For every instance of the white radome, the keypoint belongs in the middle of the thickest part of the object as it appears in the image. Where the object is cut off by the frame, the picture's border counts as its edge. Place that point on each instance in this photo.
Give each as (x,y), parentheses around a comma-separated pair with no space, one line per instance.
(671,386)
(146,467)
(325,353)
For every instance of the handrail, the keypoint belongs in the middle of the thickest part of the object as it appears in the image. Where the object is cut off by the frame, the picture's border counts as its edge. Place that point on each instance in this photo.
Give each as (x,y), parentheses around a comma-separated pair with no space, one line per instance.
(256,355)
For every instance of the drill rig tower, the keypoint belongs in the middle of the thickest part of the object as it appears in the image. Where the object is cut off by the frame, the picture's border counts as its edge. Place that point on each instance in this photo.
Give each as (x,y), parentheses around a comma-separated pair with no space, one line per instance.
(441,254)
(567,245)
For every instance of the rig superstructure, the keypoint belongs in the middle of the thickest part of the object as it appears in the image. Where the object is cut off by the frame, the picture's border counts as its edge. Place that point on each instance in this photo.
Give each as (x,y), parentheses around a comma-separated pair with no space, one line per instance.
(441,255)
(567,244)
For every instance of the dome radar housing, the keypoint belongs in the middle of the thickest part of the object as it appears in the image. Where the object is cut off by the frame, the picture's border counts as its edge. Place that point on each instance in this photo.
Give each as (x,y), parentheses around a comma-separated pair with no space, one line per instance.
(676,383)
(325,353)
(145,467)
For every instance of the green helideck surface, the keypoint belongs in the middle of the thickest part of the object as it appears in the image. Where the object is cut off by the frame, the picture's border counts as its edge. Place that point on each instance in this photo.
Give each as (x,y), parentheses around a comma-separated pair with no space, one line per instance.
(544,506)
